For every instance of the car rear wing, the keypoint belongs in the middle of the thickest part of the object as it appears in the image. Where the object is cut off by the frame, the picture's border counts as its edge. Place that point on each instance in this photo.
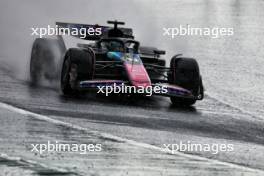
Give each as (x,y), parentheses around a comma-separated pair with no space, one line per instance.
(88,31)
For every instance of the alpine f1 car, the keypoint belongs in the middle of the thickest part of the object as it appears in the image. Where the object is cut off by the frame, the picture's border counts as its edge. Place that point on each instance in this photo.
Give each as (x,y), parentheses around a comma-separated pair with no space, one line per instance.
(113,57)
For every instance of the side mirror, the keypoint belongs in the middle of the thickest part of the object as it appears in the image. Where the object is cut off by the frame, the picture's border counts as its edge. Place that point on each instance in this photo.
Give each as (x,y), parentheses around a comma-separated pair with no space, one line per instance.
(159,52)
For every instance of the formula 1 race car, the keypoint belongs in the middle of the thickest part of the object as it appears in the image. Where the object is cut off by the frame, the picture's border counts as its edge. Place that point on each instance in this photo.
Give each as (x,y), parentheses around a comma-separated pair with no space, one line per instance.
(112,57)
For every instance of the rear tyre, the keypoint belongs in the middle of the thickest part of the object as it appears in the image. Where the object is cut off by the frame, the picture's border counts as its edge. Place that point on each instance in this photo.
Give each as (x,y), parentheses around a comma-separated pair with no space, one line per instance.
(185,73)
(78,65)
(42,62)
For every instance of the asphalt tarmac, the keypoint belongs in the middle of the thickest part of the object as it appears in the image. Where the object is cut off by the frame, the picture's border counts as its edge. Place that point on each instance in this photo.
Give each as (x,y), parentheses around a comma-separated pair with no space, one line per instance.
(135,128)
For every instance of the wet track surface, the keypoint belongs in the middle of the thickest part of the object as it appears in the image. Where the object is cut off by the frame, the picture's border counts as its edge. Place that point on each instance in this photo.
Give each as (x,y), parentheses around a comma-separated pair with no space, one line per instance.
(146,120)
(118,157)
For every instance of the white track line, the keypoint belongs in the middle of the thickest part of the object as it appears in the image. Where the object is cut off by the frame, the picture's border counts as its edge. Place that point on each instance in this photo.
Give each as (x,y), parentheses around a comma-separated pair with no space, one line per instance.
(128,141)
(32,163)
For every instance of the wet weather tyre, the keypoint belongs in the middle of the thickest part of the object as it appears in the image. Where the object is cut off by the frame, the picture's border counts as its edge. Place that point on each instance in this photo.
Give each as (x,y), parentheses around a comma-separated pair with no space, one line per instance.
(78,65)
(35,62)
(42,61)
(185,73)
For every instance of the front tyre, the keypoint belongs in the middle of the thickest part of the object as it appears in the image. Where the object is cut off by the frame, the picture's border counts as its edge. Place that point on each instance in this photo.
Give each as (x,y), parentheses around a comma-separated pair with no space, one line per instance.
(185,73)
(78,65)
